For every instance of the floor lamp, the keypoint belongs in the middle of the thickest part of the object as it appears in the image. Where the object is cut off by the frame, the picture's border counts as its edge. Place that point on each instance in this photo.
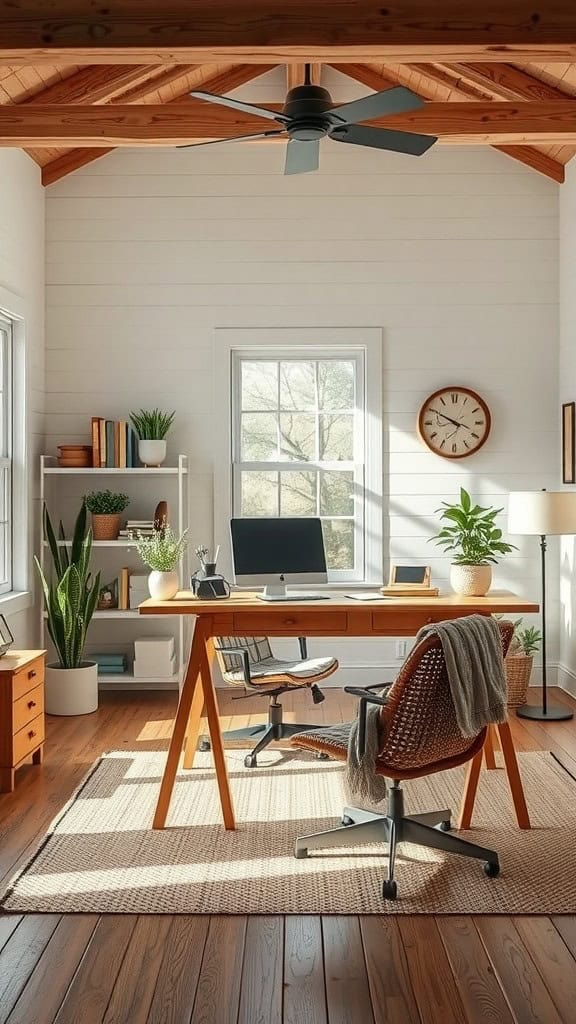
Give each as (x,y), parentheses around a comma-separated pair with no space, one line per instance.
(542,514)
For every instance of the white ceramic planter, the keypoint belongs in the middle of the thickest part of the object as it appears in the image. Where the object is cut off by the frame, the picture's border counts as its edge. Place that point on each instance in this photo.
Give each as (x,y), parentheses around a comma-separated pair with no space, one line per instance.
(72,691)
(470,580)
(152,453)
(163,586)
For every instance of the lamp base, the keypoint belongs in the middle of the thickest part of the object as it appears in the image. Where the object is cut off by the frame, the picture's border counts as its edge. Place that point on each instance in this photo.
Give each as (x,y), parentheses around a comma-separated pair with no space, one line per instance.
(552,714)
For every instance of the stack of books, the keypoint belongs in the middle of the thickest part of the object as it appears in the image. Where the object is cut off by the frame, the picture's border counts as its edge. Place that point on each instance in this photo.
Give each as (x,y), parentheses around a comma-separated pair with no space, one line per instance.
(114,444)
(154,657)
(111,664)
(134,526)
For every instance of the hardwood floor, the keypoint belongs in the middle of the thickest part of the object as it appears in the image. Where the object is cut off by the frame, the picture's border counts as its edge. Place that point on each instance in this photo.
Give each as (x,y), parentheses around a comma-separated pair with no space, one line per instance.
(122,969)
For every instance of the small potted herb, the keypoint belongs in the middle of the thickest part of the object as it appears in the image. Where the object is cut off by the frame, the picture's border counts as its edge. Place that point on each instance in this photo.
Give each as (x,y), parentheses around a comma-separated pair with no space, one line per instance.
(476,541)
(106,508)
(161,553)
(519,660)
(152,427)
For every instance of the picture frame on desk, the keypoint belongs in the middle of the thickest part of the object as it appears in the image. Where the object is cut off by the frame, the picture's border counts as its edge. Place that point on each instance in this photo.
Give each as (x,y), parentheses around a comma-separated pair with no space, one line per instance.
(568,443)
(409,581)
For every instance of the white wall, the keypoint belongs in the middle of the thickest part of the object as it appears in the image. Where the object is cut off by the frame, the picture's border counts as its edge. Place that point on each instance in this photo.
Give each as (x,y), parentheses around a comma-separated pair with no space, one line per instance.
(22,274)
(567,386)
(454,256)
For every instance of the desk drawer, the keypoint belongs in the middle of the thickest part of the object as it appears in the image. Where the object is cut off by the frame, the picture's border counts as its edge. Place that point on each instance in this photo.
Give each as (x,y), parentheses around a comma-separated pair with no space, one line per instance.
(27,708)
(402,622)
(28,739)
(304,622)
(28,678)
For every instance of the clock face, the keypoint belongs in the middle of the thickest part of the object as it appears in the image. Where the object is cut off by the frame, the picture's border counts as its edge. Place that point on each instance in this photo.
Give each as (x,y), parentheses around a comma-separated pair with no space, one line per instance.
(454,422)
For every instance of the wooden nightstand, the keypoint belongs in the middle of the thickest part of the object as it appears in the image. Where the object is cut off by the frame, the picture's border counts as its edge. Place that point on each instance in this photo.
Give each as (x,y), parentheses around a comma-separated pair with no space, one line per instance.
(21,712)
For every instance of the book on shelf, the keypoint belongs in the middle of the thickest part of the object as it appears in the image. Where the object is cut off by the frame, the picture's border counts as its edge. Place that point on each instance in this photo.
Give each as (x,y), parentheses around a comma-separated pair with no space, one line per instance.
(114,444)
(124,589)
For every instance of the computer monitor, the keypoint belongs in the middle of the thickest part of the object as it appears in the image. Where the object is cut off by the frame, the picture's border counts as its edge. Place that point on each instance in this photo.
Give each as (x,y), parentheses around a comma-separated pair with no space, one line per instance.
(274,552)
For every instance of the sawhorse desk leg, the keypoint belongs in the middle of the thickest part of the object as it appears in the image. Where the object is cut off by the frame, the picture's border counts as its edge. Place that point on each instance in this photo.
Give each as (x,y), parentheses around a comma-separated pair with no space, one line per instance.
(512,772)
(197,691)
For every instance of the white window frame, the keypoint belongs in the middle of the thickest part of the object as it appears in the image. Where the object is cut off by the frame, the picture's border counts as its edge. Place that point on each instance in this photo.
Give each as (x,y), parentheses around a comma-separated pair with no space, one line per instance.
(6,415)
(362,344)
(13,310)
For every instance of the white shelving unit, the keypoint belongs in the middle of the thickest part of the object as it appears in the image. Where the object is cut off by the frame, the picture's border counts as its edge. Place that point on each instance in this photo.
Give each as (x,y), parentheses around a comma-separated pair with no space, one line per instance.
(62,497)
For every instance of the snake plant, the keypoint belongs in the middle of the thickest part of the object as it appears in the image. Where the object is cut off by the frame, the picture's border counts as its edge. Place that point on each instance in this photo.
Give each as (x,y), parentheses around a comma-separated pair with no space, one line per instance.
(152,424)
(69,596)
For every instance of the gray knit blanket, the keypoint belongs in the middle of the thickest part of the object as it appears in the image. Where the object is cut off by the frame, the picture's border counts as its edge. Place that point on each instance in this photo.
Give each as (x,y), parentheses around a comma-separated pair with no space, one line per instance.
(475,666)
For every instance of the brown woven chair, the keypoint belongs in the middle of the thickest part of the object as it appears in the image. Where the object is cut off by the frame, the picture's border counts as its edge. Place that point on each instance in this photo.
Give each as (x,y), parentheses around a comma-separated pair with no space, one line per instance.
(249,662)
(420,736)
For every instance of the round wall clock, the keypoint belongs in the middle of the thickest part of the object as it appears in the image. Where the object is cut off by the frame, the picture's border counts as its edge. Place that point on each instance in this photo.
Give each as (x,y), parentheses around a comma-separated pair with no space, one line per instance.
(454,422)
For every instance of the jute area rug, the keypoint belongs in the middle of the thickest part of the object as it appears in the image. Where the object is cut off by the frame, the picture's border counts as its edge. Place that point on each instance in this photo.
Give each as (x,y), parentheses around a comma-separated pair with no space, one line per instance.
(101,855)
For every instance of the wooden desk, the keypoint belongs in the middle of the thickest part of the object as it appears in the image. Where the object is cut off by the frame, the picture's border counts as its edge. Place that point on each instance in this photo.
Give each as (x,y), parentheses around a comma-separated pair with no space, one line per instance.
(244,614)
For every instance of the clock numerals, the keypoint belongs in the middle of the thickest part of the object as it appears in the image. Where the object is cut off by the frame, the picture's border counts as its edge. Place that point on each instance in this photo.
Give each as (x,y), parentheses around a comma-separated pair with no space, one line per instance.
(454,422)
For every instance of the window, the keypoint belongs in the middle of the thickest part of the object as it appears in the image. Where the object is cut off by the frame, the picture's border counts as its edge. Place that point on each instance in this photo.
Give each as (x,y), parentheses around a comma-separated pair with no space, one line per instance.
(299,443)
(5,456)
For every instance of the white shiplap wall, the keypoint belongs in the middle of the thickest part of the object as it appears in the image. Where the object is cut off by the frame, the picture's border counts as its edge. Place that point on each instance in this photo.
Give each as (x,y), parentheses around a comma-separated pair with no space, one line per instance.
(453,256)
(567,386)
(22,274)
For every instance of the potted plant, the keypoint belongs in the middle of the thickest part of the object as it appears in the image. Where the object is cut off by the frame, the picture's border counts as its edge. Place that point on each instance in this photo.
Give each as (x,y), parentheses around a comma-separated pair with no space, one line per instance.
(152,427)
(161,553)
(519,660)
(69,600)
(106,507)
(475,539)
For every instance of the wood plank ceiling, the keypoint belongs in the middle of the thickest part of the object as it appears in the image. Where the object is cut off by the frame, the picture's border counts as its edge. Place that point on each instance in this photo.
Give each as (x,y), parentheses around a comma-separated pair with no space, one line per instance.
(524,89)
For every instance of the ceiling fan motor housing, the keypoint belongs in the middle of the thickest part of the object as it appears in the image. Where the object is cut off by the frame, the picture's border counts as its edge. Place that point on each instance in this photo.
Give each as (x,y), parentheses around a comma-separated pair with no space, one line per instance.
(307,107)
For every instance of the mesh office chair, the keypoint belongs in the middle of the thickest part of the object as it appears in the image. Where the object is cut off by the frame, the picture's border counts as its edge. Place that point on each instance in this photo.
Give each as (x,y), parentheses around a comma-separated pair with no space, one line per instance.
(249,662)
(419,736)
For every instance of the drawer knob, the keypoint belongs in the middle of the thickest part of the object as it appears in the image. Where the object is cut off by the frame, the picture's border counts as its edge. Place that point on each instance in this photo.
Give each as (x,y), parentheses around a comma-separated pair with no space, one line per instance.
(31,734)
(289,622)
(31,703)
(32,674)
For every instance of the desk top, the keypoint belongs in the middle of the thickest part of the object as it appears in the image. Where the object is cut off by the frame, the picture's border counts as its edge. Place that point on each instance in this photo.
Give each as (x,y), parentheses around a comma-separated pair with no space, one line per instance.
(496,601)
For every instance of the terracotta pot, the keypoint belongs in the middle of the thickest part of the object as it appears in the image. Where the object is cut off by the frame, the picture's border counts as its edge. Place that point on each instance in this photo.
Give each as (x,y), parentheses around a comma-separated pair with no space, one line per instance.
(470,580)
(105,527)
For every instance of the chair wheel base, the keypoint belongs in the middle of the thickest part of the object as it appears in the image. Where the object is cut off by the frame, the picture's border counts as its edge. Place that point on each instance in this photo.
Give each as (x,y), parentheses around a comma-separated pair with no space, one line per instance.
(321,756)
(445,826)
(389,889)
(347,821)
(301,854)
(250,761)
(492,870)
(204,745)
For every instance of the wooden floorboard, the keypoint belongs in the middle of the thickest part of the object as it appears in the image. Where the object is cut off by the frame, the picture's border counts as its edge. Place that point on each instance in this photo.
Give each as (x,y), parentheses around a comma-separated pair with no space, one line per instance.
(123,969)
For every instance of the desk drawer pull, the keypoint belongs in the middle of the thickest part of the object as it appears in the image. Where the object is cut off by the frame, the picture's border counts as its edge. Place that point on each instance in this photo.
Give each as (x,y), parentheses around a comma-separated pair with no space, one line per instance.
(32,674)
(31,703)
(289,622)
(31,734)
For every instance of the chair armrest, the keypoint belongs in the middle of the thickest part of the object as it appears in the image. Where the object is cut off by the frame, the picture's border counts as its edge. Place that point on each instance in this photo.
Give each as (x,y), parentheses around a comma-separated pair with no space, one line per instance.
(366,698)
(303,645)
(242,653)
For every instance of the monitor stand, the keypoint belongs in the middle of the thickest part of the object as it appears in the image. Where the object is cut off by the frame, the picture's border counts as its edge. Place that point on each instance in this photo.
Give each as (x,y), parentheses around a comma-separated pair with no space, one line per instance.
(278,592)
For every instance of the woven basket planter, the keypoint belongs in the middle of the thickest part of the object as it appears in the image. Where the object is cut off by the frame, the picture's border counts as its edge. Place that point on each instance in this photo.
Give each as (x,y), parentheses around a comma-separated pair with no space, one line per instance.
(105,527)
(518,672)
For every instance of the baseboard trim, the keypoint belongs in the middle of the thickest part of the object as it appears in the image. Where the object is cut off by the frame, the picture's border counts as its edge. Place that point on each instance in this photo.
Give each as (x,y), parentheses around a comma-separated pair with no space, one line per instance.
(567,679)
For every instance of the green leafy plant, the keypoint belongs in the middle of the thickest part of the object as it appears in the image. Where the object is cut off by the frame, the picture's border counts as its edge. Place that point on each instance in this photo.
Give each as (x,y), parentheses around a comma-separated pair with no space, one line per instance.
(69,596)
(152,425)
(472,534)
(163,550)
(106,503)
(524,641)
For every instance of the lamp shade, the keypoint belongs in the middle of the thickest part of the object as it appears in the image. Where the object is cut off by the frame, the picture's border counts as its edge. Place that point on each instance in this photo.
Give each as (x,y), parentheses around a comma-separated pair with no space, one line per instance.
(543,513)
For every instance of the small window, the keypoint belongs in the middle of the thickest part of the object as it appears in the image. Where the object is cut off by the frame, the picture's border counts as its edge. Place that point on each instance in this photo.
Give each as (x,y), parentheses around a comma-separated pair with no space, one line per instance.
(298,443)
(6,525)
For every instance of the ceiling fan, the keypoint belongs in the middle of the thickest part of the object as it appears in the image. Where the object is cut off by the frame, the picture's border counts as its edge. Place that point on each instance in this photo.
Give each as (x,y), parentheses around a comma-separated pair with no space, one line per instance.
(309,115)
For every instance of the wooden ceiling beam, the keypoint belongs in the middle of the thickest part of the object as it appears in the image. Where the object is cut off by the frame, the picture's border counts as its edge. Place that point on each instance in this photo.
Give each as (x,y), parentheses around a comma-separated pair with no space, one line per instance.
(98,84)
(174,124)
(296,73)
(505,82)
(533,158)
(286,31)
(223,81)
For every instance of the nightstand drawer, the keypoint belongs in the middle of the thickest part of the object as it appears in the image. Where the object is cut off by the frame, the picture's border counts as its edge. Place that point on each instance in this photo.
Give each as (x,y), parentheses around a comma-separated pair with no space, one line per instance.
(28,739)
(27,708)
(304,622)
(28,678)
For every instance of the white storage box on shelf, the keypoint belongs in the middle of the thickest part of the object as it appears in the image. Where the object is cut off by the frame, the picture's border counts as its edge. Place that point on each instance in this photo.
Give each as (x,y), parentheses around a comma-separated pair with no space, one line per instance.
(138,589)
(154,656)
(145,670)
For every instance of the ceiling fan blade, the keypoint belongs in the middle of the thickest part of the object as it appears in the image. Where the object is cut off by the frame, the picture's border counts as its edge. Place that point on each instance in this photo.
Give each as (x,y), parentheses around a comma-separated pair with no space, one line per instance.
(378,104)
(384,138)
(302,156)
(236,138)
(247,108)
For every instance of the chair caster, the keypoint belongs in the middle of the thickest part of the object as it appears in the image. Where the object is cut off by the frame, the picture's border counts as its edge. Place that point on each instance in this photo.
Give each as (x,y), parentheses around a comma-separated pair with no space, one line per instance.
(346,820)
(250,761)
(492,870)
(389,889)
(204,745)
(300,854)
(445,826)
(321,756)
